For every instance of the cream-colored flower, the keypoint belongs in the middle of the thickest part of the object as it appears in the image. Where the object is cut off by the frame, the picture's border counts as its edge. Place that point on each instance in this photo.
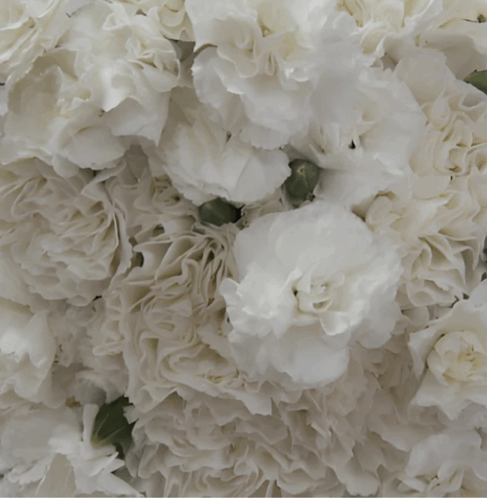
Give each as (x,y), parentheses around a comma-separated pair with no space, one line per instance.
(310,282)
(453,351)
(368,146)
(171,16)
(205,162)
(384,24)
(262,60)
(109,77)
(27,29)
(27,352)
(448,464)
(53,450)
(63,237)
(167,319)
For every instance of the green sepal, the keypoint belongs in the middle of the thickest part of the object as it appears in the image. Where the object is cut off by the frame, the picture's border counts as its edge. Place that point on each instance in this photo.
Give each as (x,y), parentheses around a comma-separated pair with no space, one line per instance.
(218,212)
(111,426)
(478,79)
(304,177)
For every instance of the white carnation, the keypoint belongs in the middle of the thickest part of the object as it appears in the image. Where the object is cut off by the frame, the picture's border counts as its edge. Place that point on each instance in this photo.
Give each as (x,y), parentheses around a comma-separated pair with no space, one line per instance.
(455,139)
(27,351)
(460,32)
(166,317)
(261,62)
(453,350)
(310,282)
(448,464)
(100,84)
(384,24)
(27,30)
(205,162)
(368,149)
(50,449)
(171,16)
(439,238)
(63,236)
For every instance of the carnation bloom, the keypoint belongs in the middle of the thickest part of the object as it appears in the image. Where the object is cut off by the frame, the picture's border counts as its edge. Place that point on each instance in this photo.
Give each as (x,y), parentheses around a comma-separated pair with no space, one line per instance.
(27,30)
(170,15)
(448,464)
(310,282)
(441,227)
(262,60)
(386,25)
(205,162)
(63,235)
(366,149)
(100,84)
(27,351)
(48,448)
(453,352)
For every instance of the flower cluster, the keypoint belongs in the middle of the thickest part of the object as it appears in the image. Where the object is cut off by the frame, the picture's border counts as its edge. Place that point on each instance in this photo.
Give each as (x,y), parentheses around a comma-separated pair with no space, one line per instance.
(243,248)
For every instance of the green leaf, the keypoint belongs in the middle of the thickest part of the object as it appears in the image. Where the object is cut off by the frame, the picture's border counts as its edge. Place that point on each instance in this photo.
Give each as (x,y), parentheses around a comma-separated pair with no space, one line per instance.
(218,212)
(111,426)
(478,79)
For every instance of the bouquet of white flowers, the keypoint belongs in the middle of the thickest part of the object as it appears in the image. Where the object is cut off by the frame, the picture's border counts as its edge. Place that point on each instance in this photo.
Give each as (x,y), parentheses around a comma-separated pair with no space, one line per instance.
(242,248)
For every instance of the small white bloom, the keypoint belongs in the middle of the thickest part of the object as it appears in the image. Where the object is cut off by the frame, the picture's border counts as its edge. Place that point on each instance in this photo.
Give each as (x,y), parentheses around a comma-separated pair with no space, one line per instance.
(453,349)
(367,148)
(50,449)
(63,236)
(385,24)
(27,350)
(27,30)
(109,78)
(205,162)
(309,283)
(262,61)
(171,16)
(448,464)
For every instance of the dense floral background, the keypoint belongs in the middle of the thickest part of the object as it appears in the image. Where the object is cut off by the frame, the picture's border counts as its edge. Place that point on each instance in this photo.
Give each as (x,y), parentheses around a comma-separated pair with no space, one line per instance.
(242,248)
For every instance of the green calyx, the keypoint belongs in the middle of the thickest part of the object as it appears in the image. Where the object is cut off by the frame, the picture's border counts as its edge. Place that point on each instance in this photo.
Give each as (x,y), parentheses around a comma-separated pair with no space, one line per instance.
(218,212)
(478,79)
(303,179)
(111,426)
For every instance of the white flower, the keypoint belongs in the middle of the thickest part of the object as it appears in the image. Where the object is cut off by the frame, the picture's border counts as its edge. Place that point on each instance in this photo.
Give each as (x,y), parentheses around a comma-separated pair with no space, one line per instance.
(441,227)
(453,349)
(166,317)
(455,139)
(63,236)
(27,350)
(447,464)
(367,150)
(262,60)
(205,162)
(438,234)
(171,16)
(48,447)
(310,282)
(316,445)
(384,24)
(460,32)
(27,30)
(110,77)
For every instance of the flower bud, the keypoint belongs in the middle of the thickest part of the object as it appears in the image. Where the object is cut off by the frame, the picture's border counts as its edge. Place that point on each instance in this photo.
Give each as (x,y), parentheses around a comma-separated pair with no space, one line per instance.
(218,212)
(478,79)
(304,178)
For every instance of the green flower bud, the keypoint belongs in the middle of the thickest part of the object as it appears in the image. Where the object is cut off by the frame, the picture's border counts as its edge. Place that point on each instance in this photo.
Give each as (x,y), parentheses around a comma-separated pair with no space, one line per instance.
(304,178)
(478,79)
(218,212)
(111,426)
